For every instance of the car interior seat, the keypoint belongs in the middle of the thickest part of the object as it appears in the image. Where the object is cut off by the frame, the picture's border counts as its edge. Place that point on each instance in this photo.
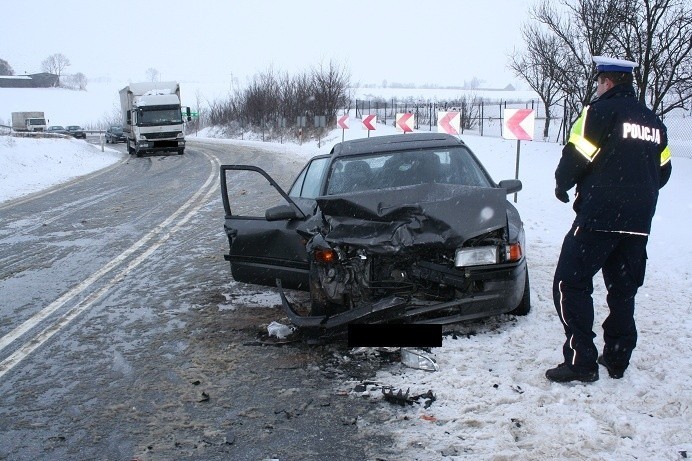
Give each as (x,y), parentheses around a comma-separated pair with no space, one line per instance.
(357,176)
(429,169)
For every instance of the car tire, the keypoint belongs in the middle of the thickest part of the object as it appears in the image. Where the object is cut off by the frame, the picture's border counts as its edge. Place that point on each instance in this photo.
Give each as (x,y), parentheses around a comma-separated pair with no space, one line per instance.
(319,303)
(524,306)
(181,151)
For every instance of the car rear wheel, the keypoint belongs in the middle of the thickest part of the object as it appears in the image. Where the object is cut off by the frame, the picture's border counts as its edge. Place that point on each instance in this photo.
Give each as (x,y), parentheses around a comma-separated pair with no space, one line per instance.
(525,304)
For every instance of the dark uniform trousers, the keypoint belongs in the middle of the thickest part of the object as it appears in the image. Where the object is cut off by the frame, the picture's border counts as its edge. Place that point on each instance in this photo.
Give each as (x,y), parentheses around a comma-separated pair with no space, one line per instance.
(622,259)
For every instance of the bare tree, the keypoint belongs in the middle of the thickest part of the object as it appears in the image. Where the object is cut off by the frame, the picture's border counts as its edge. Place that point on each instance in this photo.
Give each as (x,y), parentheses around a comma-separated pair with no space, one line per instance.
(330,83)
(656,34)
(55,64)
(81,81)
(474,84)
(538,67)
(114,117)
(270,96)
(290,89)
(584,32)
(76,81)
(5,68)
(153,75)
(470,111)
(304,93)
(261,101)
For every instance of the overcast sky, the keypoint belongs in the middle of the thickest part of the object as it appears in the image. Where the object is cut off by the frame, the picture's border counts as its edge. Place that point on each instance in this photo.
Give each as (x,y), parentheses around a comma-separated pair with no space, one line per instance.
(441,42)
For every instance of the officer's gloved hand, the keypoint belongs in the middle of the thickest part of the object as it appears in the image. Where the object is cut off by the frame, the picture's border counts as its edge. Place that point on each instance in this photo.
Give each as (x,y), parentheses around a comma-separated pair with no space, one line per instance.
(562,195)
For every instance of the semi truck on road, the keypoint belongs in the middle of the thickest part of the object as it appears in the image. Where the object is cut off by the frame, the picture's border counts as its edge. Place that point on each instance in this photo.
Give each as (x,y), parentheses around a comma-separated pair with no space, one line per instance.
(152,117)
(28,121)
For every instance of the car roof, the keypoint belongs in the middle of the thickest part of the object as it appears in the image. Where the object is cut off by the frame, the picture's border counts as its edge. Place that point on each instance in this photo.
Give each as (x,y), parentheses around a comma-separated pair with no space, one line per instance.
(395,142)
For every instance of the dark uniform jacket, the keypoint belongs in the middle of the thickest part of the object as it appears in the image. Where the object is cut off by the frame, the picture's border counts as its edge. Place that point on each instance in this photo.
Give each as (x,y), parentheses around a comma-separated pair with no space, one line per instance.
(618,157)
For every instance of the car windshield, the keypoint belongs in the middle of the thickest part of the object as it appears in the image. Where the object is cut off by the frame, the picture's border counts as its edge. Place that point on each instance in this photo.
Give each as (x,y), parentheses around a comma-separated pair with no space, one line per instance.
(450,165)
(56,127)
(116,129)
(74,127)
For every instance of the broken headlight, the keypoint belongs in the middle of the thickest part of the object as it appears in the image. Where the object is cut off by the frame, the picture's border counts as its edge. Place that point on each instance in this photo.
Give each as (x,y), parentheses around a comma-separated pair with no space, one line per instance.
(476,256)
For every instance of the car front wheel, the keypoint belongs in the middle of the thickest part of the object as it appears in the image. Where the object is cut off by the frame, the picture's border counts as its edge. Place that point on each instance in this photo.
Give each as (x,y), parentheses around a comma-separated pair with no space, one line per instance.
(319,303)
(525,304)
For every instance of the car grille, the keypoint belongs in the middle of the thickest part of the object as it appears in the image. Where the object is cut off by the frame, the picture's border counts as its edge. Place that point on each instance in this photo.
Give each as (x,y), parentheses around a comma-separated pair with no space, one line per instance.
(169,134)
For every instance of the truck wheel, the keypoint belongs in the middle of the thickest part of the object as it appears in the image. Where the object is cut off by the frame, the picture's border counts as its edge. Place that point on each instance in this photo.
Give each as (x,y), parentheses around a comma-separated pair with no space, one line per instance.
(130,150)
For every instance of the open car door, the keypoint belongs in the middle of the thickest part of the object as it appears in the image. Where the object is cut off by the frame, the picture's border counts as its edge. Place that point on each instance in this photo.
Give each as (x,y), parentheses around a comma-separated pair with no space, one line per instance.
(266,228)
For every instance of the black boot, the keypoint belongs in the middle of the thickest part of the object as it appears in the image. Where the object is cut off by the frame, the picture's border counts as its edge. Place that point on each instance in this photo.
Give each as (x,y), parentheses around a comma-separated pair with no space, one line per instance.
(563,373)
(613,372)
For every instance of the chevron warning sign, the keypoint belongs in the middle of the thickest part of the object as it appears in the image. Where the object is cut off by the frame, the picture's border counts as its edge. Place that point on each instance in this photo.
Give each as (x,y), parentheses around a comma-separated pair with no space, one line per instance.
(405,122)
(449,122)
(519,124)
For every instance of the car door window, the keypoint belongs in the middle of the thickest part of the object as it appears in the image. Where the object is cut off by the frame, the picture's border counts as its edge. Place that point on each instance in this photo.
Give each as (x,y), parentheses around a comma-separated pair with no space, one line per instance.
(309,182)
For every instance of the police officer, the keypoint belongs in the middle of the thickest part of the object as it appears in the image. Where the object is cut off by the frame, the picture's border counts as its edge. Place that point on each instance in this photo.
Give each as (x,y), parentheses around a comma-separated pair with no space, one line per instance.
(618,158)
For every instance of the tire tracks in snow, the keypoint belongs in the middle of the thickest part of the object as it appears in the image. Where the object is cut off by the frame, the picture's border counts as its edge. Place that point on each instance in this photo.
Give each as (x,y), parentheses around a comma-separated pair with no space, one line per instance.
(108,276)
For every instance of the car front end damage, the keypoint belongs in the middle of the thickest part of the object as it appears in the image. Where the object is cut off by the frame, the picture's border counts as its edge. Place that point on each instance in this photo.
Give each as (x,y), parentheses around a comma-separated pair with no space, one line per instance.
(412,255)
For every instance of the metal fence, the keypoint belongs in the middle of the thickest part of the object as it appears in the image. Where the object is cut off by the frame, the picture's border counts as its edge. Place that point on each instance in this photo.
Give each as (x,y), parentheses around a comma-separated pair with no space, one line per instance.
(485,118)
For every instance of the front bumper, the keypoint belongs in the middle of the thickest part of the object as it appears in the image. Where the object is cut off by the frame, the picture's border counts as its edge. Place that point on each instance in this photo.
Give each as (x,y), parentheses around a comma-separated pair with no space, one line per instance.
(160,145)
(502,290)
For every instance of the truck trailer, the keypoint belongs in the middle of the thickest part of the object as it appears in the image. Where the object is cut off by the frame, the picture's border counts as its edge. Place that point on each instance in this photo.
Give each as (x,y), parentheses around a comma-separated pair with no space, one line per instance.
(152,117)
(28,121)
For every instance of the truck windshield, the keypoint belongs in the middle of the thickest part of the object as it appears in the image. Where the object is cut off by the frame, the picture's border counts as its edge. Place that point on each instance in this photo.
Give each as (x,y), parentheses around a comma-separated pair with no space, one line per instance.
(160,116)
(36,121)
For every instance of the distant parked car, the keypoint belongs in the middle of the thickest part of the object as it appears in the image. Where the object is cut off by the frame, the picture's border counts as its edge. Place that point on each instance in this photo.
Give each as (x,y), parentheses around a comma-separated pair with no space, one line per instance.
(115,134)
(76,131)
(56,129)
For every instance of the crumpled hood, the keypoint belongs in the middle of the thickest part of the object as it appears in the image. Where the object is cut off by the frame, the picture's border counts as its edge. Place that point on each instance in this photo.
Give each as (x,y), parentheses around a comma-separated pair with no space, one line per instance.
(392,220)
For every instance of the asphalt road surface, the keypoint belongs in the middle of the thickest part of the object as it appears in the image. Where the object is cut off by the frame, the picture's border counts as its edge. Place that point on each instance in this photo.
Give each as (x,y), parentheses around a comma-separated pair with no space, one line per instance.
(123,336)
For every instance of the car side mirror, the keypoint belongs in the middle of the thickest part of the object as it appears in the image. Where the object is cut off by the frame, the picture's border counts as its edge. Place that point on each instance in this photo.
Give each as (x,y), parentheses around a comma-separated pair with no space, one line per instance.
(511,185)
(280,213)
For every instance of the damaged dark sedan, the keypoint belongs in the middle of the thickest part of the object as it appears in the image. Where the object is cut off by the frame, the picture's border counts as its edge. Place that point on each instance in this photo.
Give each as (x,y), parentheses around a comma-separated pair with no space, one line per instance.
(405,228)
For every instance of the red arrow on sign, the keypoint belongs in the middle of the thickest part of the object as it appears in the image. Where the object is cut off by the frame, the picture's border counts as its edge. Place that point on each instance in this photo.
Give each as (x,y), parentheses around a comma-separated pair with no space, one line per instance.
(402,122)
(445,122)
(514,124)
(369,122)
(343,122)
